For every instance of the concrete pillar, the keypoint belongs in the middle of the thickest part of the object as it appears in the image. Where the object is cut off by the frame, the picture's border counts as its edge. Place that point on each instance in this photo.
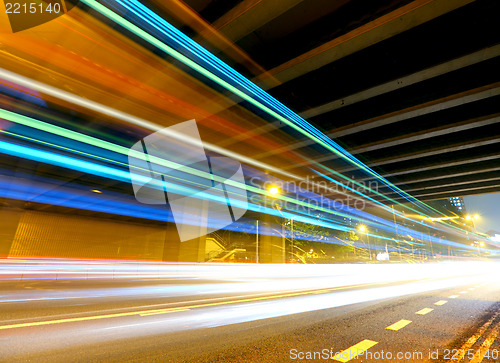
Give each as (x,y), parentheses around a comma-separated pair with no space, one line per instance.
(193,250)
(271,240)
(171,244)
(9,221)
(188,251)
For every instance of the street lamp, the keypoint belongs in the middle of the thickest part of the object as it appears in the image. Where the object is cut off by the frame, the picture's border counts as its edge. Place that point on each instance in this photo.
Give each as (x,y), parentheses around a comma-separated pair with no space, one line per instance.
(274,191)
(473,218)
(292,236)
(363,229)
(257,240)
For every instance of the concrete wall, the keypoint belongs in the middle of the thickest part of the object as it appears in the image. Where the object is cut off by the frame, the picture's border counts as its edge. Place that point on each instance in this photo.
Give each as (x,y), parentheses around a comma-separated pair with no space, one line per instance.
(9,221)
(60,235)
(31,233)
(271,247)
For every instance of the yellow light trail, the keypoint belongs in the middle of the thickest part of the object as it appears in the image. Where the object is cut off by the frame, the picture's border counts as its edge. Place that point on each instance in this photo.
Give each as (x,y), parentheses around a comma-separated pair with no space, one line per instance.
(182,308)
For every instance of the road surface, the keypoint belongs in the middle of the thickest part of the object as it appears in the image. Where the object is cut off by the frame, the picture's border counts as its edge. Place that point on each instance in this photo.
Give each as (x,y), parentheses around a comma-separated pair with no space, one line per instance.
(81,311)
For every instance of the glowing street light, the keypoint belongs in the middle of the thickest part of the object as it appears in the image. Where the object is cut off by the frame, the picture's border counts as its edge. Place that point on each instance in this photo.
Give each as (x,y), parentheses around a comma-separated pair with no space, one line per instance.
(273,190)
(471,219)
(363,229)
(438,219)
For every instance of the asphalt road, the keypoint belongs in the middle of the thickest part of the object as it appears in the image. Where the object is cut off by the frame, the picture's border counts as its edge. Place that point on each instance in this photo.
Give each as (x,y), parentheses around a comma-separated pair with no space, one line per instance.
(274,313)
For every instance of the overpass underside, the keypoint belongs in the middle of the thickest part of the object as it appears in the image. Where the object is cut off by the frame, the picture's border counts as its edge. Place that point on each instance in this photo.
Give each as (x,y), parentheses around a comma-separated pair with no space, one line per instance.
(404,95)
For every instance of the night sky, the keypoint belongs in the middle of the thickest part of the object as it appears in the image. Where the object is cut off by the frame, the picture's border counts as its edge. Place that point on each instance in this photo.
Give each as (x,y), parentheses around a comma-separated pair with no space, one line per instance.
(488,207)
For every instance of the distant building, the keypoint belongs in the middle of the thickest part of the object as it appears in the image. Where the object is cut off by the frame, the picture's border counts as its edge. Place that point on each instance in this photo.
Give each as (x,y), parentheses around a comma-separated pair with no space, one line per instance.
(459,204)
(348,221)
(450,206)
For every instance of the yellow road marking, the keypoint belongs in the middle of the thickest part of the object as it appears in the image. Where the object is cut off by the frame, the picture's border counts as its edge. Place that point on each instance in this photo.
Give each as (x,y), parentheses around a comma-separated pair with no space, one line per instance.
(279,296)
(453,296)
(398,325)
(463,292)
(182,308)
(440,302)
(424,311)
(472,288)
(85,318)
(485,347)
(470,342)
(161,311)
(354,351)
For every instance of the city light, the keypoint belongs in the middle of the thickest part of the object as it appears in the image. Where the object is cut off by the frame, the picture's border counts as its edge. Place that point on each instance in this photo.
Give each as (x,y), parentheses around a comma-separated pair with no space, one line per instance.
(470,218)
(434,219)
(273,191)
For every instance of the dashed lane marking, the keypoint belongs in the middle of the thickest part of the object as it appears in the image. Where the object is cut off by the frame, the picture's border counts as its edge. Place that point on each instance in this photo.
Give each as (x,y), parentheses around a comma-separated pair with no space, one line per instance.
(440,302)
(354,351)
(424,311)
(398,325)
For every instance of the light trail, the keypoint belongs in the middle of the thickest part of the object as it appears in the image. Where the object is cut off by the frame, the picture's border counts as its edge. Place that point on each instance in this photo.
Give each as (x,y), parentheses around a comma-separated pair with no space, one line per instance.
(99,74)
(26,82)
(19,192)
(168,298)
(95,106)
(258,97)
(120,175)
(33,123)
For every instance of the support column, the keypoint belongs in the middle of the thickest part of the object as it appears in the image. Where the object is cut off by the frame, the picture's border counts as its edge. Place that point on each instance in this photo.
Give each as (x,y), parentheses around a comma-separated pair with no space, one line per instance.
(9,221)
(188,251)
(271,240)
(172,244)
(193,250)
